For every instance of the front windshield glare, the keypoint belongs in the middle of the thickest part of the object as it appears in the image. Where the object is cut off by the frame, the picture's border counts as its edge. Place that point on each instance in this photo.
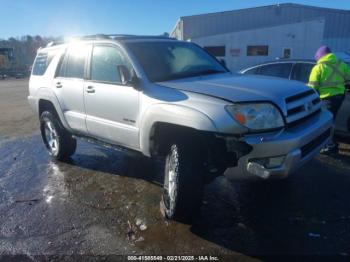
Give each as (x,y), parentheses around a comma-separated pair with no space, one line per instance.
(169,60)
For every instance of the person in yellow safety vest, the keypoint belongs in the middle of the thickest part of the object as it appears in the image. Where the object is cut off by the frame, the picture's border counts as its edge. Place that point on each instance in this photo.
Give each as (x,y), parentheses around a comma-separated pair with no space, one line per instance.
(329,77)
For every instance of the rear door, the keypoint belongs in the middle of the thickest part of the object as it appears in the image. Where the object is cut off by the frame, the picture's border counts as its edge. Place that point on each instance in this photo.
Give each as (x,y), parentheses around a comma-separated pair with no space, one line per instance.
(69,85)
(112,108)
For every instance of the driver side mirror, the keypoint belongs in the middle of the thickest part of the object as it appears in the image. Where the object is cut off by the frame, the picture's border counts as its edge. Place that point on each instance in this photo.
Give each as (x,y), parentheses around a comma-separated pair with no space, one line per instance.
(126,78)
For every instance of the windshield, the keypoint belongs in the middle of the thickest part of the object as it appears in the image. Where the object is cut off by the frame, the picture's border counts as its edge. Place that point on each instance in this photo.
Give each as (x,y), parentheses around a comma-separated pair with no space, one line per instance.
(169,60)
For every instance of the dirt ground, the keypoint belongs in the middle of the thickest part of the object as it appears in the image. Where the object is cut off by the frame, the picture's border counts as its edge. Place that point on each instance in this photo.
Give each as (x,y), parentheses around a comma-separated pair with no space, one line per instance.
(102,204)
(16,118)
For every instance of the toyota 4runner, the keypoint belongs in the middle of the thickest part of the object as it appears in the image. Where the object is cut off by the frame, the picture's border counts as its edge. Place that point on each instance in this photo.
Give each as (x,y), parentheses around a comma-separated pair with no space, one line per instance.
(172,100)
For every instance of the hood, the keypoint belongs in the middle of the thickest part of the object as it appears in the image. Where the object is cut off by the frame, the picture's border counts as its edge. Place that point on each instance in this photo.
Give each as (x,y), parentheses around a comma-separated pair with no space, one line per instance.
(241,88)
(329,58)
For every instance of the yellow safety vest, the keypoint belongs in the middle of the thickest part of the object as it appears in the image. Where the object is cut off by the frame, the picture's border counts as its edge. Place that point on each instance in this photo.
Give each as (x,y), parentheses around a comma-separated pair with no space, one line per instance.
(329,76)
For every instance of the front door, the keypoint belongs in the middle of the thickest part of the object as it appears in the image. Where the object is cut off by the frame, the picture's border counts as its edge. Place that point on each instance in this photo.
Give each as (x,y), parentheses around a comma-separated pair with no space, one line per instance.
(111,108)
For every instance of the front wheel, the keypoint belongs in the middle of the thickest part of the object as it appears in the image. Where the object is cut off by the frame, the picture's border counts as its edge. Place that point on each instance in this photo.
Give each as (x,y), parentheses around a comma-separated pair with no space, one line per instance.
(183,183)
(59,142)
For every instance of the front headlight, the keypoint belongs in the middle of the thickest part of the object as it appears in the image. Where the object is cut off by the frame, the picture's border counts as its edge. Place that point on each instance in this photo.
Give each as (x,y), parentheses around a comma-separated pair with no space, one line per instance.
(256,116)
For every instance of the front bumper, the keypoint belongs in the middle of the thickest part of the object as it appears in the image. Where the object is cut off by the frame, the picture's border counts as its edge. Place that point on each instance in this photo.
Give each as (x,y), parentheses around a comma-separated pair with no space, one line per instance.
(296,146)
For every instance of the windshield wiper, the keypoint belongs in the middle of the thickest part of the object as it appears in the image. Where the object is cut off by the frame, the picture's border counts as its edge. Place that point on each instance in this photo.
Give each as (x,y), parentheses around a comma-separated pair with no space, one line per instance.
(187,75)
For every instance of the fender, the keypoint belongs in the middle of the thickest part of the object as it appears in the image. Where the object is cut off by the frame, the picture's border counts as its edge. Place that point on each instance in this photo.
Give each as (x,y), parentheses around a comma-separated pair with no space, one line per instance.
(172,114)
(47,94)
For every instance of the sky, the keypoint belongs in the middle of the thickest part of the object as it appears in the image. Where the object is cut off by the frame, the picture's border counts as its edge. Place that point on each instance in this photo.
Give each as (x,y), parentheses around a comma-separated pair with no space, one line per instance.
(146,17)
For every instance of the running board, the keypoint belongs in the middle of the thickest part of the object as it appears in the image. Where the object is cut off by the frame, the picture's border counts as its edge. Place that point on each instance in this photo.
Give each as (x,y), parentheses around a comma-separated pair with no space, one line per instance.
(105,144)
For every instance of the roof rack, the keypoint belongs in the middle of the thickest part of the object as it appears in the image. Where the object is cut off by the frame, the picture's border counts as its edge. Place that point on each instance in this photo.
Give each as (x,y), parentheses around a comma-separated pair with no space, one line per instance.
(110,36)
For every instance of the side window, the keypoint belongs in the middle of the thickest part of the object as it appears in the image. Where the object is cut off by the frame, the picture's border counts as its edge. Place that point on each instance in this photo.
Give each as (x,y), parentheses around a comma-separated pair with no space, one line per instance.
(277,70)
(42,62)
(287,53)
(62,66)
(257,50)
(301,72)
(104,63)
(72,64)
(75,65)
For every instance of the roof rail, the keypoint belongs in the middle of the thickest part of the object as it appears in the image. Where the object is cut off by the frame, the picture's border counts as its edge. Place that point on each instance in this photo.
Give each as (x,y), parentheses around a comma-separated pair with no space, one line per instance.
(53,43)
(110,36)
(140,36)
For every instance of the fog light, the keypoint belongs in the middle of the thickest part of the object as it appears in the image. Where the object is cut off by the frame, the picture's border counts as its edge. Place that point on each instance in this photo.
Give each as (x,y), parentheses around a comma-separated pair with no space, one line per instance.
(258,170)
(270,162)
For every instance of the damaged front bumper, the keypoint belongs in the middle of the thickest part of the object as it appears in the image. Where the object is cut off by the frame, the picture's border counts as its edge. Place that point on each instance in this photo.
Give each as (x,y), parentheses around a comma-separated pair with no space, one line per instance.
(278,155)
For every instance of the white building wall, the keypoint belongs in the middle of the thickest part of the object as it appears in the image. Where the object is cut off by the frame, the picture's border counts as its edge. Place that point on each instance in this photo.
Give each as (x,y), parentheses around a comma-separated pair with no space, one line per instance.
(302,38)
(337,21)
(338,44)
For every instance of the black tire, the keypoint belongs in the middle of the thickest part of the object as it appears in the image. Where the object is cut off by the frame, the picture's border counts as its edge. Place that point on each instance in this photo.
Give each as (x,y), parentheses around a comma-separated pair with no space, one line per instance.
(187,175)
(62,145)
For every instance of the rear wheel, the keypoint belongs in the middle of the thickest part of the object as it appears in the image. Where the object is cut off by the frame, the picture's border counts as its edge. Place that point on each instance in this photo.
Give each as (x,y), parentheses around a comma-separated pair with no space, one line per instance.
(183,183)
(59,142)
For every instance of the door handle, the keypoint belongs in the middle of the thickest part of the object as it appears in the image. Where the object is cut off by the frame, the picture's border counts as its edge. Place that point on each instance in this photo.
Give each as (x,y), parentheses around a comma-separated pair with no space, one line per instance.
(58,85)
(90,89)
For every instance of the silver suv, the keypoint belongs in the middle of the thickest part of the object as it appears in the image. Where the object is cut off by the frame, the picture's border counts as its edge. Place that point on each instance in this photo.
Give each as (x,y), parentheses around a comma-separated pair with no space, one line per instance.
(172,100)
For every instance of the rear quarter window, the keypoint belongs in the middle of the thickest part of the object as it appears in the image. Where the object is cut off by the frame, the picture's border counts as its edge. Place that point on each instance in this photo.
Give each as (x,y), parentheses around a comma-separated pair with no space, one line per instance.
(42,62)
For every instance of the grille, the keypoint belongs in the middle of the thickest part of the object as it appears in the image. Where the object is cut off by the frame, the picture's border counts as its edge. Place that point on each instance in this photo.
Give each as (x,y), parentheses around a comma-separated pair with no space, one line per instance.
(303,119)
(301,106)
(306,149)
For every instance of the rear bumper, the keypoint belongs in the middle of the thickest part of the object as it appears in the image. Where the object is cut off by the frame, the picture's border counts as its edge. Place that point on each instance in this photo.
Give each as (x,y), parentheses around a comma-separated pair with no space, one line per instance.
(291,148)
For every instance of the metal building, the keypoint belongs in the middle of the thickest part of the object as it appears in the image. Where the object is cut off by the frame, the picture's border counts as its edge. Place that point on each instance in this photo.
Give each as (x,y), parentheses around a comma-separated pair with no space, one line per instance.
(254,35)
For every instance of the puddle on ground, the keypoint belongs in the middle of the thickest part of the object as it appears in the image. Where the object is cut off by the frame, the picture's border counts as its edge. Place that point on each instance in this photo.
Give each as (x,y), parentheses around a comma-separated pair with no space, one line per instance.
(104,202)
